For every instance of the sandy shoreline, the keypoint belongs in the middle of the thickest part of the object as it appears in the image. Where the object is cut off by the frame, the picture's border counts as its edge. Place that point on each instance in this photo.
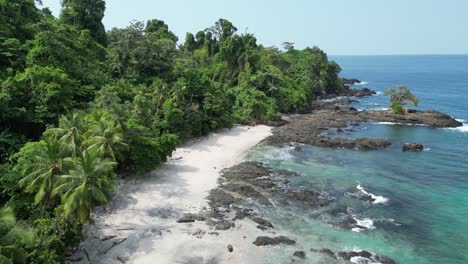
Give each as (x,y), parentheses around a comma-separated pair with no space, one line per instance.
(140,224)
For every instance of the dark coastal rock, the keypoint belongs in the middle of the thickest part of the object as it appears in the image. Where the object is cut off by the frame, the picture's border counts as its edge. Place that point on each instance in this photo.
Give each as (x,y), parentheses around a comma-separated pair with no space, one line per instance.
(223,225)
(356,92)
(266,241)
(345,101)
(299,254)
(308,198)
(277,123)
(360,143)
(246,191)
(230,248)
(351,254)
(430,118)
(246,171)
(298,148)
(263,228)
(327,252)
(242,213)
(349,81)
(308,129)
(415,147)
(347,255)
(189,218)
(347,223)
(261,221)
(220,198)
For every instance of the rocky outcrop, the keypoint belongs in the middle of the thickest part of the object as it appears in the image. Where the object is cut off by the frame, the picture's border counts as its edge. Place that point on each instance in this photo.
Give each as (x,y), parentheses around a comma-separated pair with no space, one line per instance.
(414,147)
(357,92)
(349,81)
(348,92)
(349,255)
(309,128)
(429,118)
(308,198)
(344,101)
(366,255)
(267,241)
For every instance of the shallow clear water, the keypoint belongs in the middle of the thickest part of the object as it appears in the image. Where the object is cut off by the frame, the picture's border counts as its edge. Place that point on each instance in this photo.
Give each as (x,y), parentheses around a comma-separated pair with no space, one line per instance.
(423,214)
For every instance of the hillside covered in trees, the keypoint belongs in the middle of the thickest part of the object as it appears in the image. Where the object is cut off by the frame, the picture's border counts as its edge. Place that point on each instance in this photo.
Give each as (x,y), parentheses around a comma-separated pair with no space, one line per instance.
(81,106)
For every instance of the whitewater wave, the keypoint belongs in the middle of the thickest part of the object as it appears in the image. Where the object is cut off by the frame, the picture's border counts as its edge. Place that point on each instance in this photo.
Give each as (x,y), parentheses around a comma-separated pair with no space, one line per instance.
(463,128)
(461,120)
(367,223)
(362,260)
(381,108)
(377,199)
(397,124)
(361,83)
(379,92)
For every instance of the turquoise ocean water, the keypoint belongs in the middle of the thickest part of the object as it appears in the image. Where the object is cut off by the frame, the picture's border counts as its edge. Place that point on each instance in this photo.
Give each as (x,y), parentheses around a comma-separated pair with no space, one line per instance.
(421,211)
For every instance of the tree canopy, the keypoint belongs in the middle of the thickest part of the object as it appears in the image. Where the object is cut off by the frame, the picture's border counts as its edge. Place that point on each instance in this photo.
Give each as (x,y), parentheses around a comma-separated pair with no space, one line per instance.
(400,97)
(80,106)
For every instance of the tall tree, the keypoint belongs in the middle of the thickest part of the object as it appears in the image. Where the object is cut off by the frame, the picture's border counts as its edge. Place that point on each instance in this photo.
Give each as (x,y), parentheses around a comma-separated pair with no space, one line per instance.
(86,14)
(89,183)
(42,174)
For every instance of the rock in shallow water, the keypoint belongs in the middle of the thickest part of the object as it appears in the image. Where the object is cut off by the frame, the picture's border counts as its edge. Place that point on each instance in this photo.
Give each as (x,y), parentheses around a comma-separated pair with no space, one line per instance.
(261,221)
(414,147)
(266,241)
(300,254)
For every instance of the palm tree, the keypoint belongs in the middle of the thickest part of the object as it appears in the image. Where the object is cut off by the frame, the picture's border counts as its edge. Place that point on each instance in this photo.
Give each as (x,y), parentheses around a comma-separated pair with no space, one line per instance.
(106,137)
(41,175)
(89,183)
(69,132)
(12,238)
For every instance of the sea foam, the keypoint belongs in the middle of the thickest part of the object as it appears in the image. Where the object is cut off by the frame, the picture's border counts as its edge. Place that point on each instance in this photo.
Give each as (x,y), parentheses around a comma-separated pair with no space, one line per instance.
(377,198)
(463,128)
(361,83)
(365,222)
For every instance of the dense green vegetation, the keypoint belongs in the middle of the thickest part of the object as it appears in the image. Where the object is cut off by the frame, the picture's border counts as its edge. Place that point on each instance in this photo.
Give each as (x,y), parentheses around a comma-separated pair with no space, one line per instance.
(80,106)
(400,97)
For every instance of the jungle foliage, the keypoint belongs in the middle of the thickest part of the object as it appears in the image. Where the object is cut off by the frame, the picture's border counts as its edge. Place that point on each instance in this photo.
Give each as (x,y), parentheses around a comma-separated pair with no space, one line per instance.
(80,107)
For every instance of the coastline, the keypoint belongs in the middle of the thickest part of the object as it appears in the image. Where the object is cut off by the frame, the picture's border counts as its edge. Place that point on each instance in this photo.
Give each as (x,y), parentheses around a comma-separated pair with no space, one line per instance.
(191,208)
(140,225)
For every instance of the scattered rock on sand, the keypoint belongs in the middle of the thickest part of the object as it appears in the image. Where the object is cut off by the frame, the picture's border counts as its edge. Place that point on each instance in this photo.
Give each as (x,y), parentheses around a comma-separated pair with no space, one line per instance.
(414,147)
(190,218)
(230,248)
(223,225)
(265,241)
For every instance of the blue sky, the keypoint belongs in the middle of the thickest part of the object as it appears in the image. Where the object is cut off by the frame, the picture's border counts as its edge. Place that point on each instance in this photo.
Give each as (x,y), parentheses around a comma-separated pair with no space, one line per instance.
(340,27)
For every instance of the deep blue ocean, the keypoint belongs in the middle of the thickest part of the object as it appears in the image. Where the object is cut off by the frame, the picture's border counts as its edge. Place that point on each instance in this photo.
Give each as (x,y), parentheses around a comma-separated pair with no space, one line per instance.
(421,211)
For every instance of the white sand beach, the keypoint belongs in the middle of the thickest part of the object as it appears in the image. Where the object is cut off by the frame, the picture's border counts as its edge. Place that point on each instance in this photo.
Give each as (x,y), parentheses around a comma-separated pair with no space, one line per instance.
(139,226)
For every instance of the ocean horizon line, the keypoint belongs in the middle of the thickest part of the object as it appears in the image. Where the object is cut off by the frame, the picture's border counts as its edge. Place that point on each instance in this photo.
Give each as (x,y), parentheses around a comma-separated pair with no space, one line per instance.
(390,55)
